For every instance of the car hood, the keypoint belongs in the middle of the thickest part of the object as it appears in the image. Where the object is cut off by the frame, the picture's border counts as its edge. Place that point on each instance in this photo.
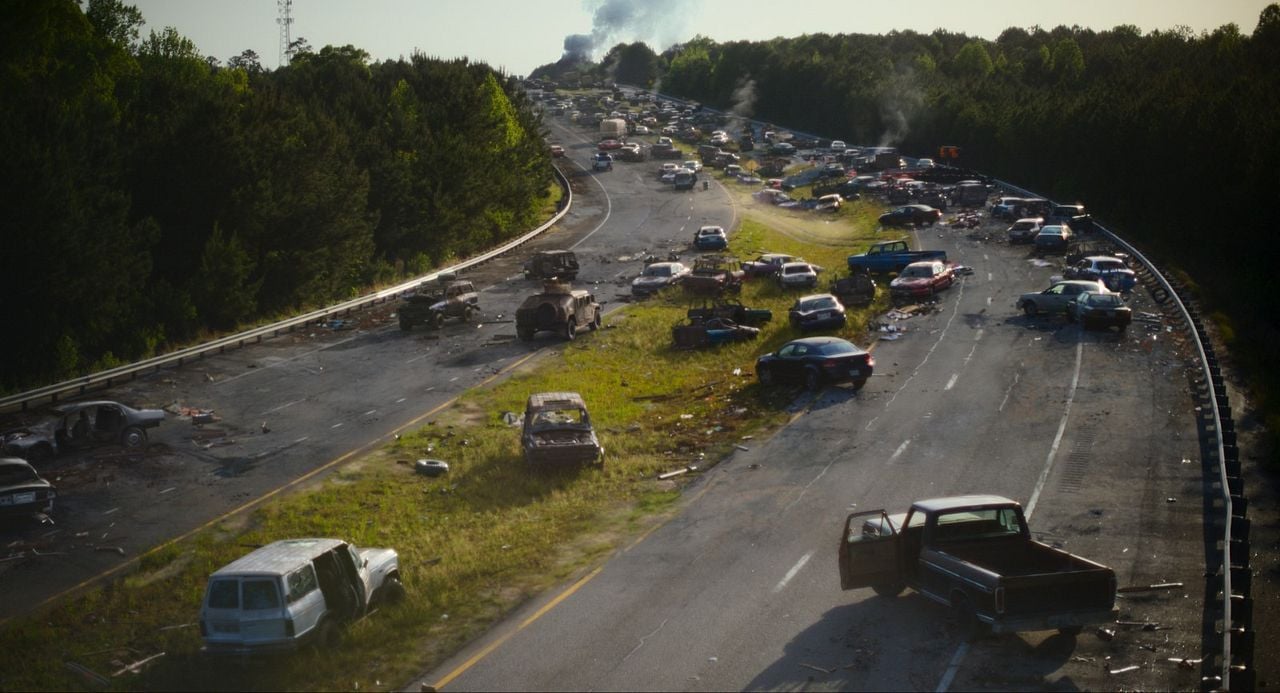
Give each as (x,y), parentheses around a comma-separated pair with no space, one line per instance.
(651,281)
(908,282)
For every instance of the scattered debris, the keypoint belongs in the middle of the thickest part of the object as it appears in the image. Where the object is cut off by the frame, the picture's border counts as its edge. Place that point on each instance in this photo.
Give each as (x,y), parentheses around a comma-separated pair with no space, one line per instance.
(1123,670)
(1105,633)
(743,448)
(1150,588)
(112,549)
(510,418)
(816,668)
(674,473)
(963,269)
(89,676)
(136,667)
(177,627)
(1184,662)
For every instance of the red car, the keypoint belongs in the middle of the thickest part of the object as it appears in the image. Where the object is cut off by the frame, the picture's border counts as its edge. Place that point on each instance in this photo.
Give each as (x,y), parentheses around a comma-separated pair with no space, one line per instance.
(608,145)
(922,279)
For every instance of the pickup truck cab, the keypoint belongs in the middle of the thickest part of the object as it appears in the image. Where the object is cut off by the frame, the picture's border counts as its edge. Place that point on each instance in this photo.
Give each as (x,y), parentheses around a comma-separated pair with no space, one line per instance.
(892,256)
(975,555)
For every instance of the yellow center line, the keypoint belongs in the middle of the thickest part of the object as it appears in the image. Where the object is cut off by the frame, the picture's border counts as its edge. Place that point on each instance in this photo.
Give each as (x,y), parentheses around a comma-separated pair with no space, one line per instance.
(259,500)
(462,668)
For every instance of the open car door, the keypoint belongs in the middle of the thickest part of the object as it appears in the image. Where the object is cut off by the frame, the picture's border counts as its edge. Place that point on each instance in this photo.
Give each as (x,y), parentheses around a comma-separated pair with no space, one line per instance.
(869,551)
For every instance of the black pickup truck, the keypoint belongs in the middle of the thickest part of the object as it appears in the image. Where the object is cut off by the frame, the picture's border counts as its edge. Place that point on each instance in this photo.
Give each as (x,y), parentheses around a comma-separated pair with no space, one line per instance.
(975,555)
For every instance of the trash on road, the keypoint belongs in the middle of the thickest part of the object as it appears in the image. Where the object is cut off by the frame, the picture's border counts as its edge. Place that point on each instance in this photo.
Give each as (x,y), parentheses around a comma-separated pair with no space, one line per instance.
(1151,588)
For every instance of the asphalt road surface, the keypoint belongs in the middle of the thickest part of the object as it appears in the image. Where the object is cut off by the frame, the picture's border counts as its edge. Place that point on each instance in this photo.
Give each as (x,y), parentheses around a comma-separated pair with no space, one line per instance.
(1095,433)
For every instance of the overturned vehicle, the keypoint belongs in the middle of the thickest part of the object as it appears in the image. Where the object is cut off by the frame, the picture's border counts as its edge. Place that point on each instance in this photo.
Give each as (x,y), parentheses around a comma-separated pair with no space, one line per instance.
(557,431)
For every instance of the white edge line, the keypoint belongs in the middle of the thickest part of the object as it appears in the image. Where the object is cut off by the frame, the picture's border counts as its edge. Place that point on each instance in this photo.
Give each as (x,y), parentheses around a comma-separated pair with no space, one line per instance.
(792,573)
(1057,439)
(952,668)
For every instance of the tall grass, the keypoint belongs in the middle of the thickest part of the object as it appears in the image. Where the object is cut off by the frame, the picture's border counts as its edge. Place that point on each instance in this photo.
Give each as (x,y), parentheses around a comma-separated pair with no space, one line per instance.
(472,544)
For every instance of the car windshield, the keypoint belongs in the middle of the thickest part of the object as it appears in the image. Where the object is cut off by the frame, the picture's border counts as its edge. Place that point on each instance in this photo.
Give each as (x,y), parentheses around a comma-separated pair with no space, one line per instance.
(559,417)
(841,347)
(658,271)
(16,474)
(818,303)
(1103,300)
(917,271)
(795,269)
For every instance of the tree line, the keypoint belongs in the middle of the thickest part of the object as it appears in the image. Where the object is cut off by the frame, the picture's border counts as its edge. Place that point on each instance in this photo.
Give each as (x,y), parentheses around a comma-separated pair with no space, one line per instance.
(1171,138)
(153,194)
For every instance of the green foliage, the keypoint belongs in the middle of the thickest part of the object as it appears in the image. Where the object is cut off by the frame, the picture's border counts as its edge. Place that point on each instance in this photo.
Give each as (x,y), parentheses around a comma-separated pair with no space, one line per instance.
(151,196)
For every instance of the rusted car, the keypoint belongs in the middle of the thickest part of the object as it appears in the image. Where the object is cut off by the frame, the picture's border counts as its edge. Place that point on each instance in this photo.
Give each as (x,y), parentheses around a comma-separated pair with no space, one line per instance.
(82,425)
(857,289)
(714,274)
(432,305)
(552,264)
(557,430)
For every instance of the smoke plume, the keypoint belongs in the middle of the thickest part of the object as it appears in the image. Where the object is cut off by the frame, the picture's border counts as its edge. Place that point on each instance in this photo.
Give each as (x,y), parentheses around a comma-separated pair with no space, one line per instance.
(658,23)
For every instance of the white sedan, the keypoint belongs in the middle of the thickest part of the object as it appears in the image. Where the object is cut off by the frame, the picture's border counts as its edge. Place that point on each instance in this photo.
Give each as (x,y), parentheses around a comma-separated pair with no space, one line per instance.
(798,274)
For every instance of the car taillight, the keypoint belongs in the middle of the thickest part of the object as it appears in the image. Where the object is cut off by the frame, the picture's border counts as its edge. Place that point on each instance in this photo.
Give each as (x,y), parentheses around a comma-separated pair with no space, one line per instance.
(999,600)
(871,360)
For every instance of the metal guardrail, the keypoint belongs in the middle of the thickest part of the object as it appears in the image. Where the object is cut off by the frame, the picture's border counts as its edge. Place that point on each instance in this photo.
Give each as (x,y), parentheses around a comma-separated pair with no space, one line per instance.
(1228,477)
(78,386)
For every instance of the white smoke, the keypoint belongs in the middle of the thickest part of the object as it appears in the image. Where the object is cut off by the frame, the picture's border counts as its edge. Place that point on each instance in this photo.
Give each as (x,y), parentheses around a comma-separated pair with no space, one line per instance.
(657,23)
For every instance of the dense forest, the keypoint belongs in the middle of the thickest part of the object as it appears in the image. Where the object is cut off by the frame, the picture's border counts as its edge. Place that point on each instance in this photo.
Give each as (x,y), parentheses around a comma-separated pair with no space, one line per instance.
(153,194)
(1170,138)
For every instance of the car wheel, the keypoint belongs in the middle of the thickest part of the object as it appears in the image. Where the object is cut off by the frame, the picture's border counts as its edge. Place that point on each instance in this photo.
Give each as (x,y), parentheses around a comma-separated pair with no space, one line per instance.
(392,591)
(965,618)
(1029,309)
(812,379)
(570,330)
(328,635)
(765,376)
(437,320)
(466,314)
(889,589)
(133,438)
(525,335)
(596,322)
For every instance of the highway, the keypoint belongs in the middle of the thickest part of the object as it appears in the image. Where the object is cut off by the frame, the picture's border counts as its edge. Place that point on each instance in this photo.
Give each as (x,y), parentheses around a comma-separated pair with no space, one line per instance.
(1091,431)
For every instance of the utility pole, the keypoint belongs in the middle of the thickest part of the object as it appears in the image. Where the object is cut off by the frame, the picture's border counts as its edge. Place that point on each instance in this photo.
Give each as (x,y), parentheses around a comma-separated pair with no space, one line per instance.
(284,20)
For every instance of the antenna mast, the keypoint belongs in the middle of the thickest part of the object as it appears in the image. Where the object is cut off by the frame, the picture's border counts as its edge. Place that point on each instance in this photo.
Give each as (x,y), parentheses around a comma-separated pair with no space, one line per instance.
(284,20)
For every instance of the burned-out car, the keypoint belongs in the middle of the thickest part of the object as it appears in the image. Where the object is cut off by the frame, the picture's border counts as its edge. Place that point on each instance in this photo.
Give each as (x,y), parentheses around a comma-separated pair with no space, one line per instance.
(560,309)
(82,425)
(432,305)
(557,430)
(552,264)
(22,491)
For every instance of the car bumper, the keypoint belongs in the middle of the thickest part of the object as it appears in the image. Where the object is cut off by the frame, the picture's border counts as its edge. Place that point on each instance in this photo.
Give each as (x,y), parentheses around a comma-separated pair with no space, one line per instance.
(1075,619)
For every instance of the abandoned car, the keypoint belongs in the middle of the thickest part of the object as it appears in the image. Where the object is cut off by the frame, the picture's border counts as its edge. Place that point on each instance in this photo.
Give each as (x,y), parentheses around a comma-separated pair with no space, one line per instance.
(293,592)
(432,305)
(557,430)
(22,491)
(552,264)
(82,425)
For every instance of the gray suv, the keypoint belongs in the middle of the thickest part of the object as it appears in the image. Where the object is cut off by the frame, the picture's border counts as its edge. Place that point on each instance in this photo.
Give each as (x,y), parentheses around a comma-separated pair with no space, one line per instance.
(558,309)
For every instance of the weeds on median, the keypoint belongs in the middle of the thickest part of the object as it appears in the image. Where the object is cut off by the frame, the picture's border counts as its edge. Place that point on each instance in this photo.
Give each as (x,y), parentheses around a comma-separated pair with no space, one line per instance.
(472,544)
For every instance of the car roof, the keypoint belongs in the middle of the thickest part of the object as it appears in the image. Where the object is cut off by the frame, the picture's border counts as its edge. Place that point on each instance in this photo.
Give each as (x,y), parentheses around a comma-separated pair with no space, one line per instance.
(72,407)
(796,263)
(15,462)
(933,505)
(925,263)
(278,558)
(555,399)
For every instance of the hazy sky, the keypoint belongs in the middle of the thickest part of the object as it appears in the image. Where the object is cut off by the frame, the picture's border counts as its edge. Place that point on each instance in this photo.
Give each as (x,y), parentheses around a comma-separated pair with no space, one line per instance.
(519,35)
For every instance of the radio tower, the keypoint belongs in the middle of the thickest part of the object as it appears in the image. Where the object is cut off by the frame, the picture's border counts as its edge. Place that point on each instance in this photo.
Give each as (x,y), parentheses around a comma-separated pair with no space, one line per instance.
(284,20)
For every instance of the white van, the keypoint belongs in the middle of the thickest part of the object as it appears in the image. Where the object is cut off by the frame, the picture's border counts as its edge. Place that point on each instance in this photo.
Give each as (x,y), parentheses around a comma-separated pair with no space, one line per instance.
(293,592)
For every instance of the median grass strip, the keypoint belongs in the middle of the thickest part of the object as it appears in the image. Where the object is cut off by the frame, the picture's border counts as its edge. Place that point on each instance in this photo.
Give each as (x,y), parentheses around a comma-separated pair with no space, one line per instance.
(473,544)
